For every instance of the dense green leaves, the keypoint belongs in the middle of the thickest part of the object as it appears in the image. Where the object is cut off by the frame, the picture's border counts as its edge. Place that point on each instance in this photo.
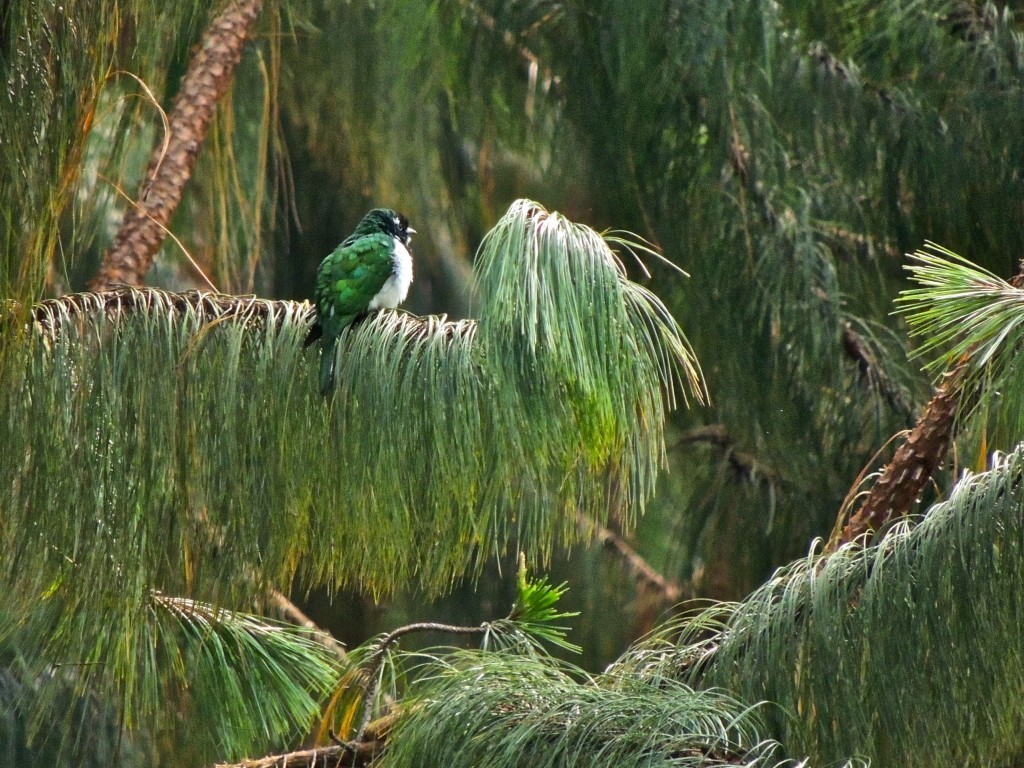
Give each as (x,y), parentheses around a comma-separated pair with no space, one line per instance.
(249,684)
(192,435)
(968,318)
(236,683)
(510,711)
(786,153)
(882,653)
(961,309)
(593,357)
(868,656)
(536,610)
(179,443)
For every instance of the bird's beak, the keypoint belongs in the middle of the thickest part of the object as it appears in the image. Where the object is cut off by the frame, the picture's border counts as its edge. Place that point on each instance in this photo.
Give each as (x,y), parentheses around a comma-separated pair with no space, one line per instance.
(410,230)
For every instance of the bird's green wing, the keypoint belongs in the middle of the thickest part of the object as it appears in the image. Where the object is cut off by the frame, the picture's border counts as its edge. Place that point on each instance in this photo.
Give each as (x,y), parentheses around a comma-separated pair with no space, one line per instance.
(349,278)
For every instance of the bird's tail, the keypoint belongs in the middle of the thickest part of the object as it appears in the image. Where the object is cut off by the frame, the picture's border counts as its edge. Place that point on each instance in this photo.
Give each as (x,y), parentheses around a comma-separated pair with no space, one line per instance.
(327,358)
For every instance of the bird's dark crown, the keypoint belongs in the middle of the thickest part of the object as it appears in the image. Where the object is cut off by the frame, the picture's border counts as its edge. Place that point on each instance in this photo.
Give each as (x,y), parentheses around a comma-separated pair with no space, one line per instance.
(384,220)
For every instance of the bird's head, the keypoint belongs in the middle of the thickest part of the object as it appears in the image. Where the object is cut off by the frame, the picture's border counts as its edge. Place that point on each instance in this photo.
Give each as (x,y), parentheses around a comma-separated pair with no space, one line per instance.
(387,221)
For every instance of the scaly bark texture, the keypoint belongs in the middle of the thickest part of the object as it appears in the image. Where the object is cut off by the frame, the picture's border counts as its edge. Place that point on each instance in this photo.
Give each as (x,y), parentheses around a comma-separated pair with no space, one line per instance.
(915,461)
(919,456)
(208,77)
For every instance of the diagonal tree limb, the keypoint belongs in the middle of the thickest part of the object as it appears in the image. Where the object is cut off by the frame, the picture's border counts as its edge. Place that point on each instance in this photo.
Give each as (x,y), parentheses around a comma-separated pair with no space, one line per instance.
(289,611)
(914,463)
(122,301)
(207,79)
(645,574)
(351,754)
(858,350)
(745,464)
(333,756)
(916,460)
(47,318)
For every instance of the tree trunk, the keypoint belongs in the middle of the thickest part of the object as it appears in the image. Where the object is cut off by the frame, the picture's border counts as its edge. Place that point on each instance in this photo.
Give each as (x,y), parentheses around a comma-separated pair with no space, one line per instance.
(915,461)
(208,77)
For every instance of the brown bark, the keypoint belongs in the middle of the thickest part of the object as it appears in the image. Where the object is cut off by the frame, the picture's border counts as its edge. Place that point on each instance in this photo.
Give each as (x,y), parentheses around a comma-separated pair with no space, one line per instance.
(208,77)
(647,577)
(290,612)
(915,461)
(919,456)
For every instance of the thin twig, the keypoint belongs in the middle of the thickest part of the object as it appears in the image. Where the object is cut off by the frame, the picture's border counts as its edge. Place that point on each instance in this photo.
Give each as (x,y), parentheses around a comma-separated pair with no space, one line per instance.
(373,667)
(670,590)
(333,756)
(745,463)
(292,613)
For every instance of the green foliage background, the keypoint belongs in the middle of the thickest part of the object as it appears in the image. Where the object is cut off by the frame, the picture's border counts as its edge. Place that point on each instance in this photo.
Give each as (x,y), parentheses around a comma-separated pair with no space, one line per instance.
(785,154)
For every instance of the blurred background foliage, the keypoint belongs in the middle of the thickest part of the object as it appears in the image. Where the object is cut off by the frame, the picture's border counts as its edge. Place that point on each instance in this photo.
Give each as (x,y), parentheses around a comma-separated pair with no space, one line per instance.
(786,163)
(785,153)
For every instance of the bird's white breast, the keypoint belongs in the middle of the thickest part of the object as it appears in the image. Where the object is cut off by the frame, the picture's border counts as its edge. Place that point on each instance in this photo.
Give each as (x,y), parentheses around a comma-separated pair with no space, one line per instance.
(396,288)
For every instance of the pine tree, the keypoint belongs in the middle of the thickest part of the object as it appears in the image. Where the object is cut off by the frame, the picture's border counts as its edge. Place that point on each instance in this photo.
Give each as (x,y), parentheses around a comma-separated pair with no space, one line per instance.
(169,467)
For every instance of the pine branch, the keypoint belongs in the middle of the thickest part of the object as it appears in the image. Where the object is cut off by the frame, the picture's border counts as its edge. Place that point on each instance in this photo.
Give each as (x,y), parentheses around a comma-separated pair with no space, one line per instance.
(857,349)
(334,756)
(747,171)
(511,40)
(505,711)
(205,306)
(927,616)
(644,573)
(531,614)
(125,300)
(207,79)
(248,681)
(917,459)
(203,401)
(349,755)
(292,613)
(373,666)
(744,463)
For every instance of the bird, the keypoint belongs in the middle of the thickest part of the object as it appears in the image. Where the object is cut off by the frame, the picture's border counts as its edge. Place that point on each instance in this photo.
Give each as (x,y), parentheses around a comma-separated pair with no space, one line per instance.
(371,269)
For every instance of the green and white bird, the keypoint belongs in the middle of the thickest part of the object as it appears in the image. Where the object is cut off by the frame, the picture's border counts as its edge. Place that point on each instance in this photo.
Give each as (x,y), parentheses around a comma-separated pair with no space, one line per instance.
(371,269)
